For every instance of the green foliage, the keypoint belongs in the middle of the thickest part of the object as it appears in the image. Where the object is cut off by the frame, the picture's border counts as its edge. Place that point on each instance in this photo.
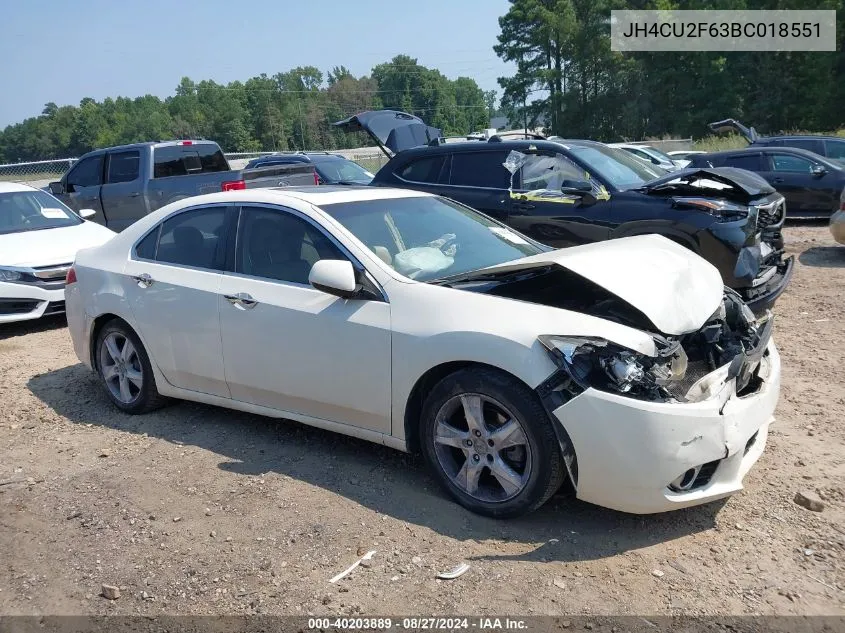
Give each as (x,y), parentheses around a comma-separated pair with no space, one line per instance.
(292,110)
(568,78)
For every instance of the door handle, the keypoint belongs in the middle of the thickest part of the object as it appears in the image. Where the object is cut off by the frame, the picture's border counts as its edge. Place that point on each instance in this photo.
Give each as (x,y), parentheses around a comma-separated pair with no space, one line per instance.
(242,301)
(143,280)
(134,194)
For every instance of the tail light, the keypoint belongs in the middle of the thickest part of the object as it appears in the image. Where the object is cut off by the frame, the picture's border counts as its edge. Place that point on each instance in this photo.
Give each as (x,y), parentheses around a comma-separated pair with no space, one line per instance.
(316,178)
(185,143)
(233,185)
(70,278)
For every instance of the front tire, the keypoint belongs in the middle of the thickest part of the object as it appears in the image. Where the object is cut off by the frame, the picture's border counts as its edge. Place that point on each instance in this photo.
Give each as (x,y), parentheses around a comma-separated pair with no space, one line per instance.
(124,369)
(490,443)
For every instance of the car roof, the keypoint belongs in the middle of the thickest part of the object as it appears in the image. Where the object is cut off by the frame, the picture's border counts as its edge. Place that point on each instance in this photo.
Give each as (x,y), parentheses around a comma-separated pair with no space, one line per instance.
(800,137)
(762,150)
(11,187)
(482,146)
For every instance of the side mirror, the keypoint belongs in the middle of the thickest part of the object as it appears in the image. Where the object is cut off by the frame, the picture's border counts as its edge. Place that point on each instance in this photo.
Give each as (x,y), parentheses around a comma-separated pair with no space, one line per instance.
(335,277)
(57,188)
(87,213)
(576,186)
(818,170)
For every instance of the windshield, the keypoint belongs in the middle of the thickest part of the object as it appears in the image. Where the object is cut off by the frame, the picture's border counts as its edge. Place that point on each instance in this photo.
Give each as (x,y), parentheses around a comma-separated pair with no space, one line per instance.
(428,238)
(337,170)
(615,166)
(33,210)
(657,154)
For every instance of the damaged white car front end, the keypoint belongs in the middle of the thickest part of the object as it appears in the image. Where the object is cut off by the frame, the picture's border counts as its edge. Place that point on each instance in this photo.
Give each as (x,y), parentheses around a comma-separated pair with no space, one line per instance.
(676,429)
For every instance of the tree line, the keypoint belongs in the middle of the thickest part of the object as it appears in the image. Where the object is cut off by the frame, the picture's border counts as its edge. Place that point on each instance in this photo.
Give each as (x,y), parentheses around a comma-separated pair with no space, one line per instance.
(568,78)
(292,110)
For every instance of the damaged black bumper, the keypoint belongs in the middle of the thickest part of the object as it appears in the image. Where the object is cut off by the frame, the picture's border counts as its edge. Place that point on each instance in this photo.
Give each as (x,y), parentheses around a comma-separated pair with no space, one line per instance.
(763,296)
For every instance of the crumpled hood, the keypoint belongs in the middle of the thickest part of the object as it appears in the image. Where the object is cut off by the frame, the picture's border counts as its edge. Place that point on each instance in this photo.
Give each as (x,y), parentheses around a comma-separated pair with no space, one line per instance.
(50,246)
(675,288)
(713,180)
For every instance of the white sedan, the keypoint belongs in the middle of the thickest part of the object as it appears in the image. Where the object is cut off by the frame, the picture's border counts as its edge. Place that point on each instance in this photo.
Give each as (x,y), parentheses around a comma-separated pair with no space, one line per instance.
(412,321)
(39,237)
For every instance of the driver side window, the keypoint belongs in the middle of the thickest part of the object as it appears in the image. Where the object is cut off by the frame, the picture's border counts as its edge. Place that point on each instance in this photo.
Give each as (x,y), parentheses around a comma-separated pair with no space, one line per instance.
(87,173)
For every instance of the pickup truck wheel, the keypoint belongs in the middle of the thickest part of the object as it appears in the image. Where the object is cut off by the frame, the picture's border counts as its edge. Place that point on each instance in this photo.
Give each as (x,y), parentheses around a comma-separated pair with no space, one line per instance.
(490,443)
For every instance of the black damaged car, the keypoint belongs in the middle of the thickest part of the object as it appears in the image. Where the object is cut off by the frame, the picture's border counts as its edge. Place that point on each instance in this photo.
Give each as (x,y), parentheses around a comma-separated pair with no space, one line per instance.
(569,192)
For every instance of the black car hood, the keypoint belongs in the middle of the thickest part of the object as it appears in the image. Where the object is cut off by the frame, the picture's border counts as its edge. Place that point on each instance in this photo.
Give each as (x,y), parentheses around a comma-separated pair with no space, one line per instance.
(393,130)
(723,182)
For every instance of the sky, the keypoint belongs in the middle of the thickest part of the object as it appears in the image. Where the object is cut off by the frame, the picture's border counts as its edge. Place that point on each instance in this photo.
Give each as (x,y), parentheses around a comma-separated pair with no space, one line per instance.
(59,51)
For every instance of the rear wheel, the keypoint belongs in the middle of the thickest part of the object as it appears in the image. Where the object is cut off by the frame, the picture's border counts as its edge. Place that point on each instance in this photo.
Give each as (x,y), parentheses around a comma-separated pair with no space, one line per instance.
(125,370)
(490,443)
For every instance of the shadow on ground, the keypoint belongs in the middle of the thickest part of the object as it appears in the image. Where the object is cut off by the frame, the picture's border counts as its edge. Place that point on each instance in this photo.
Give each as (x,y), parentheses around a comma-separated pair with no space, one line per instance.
(824,257)
(381,479)
(22,328)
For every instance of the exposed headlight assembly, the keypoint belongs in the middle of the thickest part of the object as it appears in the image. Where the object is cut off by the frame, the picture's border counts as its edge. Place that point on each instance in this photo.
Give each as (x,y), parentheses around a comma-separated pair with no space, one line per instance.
(597,363)
(722,210)
(9,274)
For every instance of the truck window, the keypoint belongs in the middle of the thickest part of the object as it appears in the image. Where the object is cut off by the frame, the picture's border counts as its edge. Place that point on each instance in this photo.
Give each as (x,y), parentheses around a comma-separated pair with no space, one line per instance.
(87,173)
(179,160)
(123,166)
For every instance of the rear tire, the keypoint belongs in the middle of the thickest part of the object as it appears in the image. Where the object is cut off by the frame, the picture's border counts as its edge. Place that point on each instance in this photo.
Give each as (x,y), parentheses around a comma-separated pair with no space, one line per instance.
(125,370)
(490,443)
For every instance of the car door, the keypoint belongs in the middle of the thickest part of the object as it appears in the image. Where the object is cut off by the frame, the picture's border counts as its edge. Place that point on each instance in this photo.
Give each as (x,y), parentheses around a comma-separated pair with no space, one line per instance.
(82,186)
(541,210)
(172,281)
(122,196)
(479,180)
(806,193)
(291,347)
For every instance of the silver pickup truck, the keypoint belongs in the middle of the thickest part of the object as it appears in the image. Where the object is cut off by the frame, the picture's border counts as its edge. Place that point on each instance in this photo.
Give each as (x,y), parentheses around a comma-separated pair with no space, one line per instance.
(123,184)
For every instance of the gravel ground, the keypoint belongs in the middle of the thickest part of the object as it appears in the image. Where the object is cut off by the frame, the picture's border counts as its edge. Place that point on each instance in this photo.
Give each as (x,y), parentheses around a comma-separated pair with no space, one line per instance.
(201,510)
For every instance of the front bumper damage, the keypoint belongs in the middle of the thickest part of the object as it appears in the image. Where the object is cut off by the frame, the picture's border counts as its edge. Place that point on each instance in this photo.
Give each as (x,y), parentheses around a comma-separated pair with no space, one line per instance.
(630,452)
(692,440)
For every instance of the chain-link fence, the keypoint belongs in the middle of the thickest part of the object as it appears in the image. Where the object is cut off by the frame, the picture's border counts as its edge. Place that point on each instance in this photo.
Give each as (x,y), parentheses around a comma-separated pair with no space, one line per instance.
(41,173)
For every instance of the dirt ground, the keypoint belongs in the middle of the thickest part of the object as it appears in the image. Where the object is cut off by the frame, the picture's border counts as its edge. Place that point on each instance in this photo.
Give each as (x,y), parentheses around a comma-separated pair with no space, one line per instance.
(201,510)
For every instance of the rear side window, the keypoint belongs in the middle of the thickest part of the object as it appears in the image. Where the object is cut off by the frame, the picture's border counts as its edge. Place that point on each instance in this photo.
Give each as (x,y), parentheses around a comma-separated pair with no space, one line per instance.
(87,173)
(750,162)
(480,169)
(423,170)
(811,145)
(123,166)
(835,149)
(146,248)
(194,238)
(179,160)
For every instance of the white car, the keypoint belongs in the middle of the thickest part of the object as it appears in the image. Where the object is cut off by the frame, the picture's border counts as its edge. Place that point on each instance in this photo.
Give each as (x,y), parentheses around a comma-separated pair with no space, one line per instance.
(413,321)
(650,155)
(39,237)
(681,157)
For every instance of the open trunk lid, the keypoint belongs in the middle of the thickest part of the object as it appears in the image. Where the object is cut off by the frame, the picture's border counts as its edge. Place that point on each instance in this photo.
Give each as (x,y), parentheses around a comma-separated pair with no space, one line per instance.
(732,125)
(675,288)
(393,131)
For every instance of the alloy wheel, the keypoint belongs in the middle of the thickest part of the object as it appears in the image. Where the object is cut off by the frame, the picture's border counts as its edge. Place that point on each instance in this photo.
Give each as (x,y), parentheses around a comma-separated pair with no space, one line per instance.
(121,368)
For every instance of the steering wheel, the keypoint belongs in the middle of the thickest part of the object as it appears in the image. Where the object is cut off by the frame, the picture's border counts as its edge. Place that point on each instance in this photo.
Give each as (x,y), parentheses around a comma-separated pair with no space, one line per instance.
(445,245)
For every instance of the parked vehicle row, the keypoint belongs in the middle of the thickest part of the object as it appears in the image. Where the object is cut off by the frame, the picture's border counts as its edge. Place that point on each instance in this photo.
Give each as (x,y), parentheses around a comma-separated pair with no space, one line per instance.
(625,367)
(123,184)
(831,147)
(569,192)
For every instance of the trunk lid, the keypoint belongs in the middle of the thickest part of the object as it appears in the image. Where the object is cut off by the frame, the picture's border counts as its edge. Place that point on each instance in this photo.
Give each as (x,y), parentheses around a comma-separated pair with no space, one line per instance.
(675,288)
(393,131)
(732,125)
